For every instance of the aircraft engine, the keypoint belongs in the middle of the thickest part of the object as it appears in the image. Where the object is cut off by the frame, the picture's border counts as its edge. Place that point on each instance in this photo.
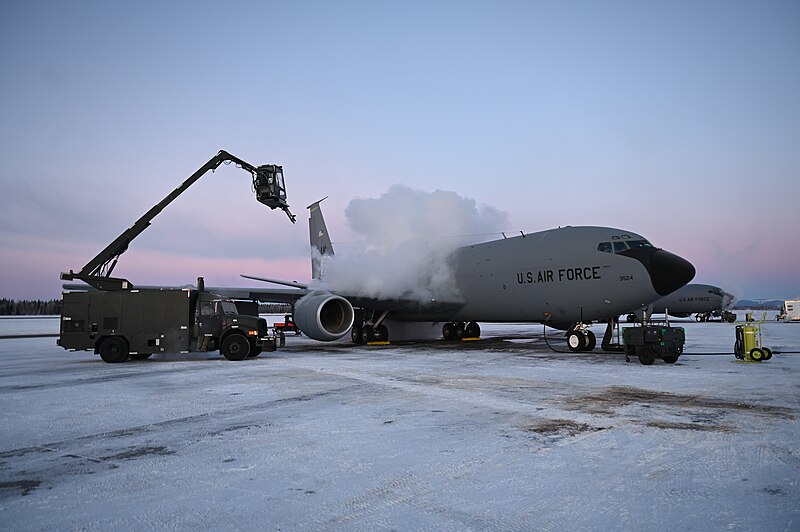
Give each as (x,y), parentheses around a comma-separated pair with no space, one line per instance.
(323,316)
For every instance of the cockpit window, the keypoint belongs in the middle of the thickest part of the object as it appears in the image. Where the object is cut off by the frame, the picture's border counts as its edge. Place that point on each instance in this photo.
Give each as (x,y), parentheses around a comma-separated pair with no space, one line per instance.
(618,246)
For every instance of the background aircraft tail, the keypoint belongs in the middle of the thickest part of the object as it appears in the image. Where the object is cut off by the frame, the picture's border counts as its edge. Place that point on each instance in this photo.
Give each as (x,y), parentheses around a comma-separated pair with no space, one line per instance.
(321,245)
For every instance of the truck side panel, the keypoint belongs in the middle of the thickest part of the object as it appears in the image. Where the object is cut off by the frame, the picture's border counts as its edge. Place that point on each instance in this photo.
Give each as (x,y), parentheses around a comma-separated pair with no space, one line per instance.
(151,321)
(156,321)
(75,322)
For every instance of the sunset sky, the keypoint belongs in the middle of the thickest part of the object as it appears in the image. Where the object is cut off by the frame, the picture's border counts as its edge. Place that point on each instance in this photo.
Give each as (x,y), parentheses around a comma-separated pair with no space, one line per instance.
(677,120)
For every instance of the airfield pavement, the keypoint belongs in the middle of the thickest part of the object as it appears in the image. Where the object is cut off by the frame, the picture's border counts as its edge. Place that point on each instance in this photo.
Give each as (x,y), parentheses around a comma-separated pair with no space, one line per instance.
(500,434)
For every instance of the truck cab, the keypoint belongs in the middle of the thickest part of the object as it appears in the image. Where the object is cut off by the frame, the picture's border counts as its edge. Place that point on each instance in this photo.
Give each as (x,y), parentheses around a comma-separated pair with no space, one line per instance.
(219,325)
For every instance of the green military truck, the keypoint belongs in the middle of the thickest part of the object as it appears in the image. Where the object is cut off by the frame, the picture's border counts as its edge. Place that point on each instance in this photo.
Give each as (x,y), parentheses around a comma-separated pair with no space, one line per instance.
(119,321)
(123,324)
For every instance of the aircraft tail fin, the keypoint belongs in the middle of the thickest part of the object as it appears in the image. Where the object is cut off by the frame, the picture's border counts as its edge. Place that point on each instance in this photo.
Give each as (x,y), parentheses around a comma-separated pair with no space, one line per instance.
(320,240)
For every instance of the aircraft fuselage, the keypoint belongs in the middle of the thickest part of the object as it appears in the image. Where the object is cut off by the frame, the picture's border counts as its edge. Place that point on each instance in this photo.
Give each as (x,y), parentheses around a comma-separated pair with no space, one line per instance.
(561,276)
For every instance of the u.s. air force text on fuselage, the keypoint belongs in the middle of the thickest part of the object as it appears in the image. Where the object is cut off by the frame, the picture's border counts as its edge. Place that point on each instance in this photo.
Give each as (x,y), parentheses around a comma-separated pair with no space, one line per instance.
(581,273)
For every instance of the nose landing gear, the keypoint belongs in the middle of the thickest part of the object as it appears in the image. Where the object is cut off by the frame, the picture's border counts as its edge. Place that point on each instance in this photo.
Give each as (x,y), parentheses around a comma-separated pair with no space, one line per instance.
(580,338)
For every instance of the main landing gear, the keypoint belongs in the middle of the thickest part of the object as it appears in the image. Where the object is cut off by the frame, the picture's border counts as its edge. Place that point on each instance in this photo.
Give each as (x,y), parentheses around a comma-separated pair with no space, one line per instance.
(580,338)
(454,330)
(368,328)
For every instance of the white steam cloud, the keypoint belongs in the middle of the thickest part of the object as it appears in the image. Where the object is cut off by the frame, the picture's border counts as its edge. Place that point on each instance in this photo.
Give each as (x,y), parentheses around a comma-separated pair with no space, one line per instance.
(407,237)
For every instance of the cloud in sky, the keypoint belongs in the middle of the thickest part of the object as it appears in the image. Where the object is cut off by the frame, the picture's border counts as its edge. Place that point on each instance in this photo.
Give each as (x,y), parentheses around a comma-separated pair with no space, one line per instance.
(679,121)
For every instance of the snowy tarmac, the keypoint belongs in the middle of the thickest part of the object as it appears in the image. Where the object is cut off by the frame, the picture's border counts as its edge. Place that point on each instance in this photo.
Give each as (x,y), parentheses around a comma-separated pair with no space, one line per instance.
(500,434)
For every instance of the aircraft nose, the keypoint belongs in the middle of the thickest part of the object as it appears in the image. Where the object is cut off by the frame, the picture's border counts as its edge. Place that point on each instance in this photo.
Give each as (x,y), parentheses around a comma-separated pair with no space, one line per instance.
(728,300)
(668,272)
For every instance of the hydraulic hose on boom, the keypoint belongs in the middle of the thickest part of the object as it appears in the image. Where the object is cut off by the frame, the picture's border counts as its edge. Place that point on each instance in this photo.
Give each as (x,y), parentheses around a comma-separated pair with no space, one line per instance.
(269,188)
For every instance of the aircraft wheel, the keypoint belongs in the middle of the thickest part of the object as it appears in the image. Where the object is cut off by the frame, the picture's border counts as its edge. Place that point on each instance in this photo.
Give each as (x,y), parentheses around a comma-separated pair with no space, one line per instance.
(767,353)
(591,341)
(381,333)
(576,341)
(449,331)
(756,354)
(140,356)
(459,331)
(369,334)
(646,356)
(473,330)
(357,335)
(114,350)
(235,347)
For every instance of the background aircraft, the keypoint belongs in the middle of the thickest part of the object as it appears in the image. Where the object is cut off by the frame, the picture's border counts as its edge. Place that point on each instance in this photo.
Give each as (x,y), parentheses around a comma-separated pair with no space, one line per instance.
(705,300)
(565,278)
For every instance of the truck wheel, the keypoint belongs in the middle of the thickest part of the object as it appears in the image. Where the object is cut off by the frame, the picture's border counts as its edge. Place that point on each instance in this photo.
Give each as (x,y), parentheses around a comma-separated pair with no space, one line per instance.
(114,350)
(140,356)
(281,339)
(235,347)
(576,341)
(646,356)
(670,358)
(254,350)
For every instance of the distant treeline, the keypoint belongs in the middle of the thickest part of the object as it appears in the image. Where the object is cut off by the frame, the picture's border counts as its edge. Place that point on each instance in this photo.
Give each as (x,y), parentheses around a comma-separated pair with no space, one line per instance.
(27,307)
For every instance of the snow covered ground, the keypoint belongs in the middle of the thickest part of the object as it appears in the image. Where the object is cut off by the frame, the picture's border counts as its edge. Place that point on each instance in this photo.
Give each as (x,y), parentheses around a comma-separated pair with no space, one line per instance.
(497,434)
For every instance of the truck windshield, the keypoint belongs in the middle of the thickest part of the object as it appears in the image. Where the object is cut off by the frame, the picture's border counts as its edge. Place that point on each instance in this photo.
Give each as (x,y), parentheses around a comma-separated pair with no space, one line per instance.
(228,308)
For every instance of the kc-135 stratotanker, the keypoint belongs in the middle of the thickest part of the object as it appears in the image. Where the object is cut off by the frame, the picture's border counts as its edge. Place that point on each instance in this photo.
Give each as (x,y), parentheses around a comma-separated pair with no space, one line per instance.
(565,278)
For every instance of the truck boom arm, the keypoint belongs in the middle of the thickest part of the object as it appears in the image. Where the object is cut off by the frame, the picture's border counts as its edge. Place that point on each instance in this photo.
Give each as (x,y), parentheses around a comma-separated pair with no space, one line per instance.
(269,189)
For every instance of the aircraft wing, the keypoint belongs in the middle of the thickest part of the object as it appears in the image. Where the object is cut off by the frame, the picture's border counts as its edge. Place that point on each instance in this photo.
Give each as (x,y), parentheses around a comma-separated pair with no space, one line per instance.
(266,295)
(400,305)
(406,306)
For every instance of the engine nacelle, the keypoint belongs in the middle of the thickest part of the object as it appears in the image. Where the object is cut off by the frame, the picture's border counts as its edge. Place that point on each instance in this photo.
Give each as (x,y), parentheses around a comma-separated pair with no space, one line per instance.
(323,316)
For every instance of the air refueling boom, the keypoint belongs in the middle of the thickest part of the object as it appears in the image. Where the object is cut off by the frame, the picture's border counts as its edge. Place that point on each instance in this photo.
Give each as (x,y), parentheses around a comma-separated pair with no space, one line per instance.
(269,188)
